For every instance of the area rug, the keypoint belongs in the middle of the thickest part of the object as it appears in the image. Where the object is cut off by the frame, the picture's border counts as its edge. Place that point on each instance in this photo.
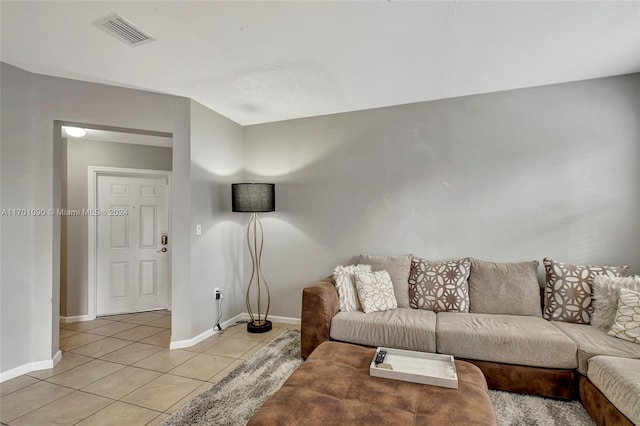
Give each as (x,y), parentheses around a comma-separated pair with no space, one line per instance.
(233,400)
(515,409)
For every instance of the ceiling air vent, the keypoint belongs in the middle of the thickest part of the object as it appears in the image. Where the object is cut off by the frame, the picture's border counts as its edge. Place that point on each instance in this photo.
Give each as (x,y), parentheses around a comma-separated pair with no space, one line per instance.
(122,29)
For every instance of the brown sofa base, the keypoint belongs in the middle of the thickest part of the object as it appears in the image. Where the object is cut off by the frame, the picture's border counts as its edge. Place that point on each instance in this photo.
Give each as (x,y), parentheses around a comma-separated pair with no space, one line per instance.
(599,407)
(549,382)
(319,305)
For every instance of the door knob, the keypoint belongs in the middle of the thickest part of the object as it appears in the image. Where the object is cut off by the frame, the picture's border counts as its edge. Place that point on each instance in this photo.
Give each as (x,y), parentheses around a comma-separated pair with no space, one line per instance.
(162,250)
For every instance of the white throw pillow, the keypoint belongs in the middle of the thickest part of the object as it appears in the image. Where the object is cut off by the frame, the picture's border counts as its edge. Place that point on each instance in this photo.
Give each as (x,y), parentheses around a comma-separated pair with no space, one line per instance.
(344,278)
(627,324)
(398,267)
(375,291)
(606,293)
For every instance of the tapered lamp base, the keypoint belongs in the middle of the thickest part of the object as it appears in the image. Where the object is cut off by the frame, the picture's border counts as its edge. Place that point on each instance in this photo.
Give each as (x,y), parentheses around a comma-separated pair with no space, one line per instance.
(258,326)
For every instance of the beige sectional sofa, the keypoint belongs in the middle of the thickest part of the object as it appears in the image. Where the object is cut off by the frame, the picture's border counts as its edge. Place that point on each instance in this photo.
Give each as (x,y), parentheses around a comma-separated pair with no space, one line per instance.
(523,353)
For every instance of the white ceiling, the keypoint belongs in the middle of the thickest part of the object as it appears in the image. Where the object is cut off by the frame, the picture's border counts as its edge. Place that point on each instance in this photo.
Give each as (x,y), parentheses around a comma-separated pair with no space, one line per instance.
(270,61)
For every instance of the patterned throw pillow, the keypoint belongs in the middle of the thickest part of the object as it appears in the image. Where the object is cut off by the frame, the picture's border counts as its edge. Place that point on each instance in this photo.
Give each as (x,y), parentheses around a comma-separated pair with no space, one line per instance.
(627,324)
(439,286)
(567,294)
(606,293)
(375,291)
(344,278)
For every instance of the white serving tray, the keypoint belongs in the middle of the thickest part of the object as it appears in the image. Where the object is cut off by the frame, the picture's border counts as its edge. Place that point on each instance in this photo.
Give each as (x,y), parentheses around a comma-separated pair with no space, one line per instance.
(417,367)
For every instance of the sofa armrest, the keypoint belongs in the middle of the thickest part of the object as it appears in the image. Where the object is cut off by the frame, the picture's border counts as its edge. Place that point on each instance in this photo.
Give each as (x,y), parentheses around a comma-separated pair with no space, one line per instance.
(319,305)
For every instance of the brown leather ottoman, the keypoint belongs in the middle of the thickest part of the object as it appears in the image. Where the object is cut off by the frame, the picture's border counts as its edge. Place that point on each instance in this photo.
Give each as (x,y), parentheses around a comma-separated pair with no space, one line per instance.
(333,387)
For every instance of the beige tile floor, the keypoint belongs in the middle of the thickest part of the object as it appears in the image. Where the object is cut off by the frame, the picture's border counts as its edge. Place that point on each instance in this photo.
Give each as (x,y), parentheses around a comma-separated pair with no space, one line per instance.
(119,371)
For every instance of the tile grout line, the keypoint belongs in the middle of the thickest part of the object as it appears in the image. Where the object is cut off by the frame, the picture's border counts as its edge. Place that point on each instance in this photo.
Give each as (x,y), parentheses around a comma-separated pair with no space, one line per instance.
(113,401)
(48,403)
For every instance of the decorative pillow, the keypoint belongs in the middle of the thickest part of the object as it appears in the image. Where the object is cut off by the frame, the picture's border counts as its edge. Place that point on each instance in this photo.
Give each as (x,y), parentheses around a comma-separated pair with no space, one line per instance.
(375,291)
(398,268)
(627,323)
(567,294)
(606,292)
(439,286)
(504,288)
(344,278)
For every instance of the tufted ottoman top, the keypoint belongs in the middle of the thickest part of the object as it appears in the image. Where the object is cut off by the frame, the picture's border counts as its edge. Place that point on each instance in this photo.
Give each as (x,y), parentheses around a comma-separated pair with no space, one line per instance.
(333,387)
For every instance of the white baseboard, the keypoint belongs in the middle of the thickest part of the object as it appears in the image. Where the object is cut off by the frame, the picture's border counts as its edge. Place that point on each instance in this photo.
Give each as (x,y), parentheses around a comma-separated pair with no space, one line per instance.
(29,367)
(179,344)
(79,318)
(56,358)
(275,318)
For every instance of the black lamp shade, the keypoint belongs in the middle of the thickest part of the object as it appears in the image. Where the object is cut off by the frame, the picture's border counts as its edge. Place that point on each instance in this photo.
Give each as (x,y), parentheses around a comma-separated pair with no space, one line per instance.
(253,197)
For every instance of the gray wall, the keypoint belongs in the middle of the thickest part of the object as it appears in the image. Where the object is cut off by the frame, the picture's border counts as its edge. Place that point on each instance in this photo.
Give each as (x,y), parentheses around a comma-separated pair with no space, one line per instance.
(29,286)
(80,154)
(510,176)
(31,172)
(216,255)
(18,272)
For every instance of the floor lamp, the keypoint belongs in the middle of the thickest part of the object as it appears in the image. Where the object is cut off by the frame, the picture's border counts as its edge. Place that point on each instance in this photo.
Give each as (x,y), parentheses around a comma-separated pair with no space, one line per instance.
(255,198)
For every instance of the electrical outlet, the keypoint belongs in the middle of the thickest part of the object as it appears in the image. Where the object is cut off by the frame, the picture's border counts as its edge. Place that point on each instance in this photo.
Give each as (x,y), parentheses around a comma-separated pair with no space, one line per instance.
(217,293)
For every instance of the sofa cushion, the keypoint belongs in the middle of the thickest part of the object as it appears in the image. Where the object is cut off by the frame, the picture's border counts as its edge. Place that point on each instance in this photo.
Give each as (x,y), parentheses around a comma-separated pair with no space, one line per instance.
(411,329)
(439,286)
(504,288)
(593,341)
(567,293)
(398,268)
(509,339)
(619,380)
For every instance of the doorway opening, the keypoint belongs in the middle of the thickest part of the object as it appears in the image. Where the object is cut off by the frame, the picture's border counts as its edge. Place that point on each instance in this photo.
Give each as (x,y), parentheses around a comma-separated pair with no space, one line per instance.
(130,270)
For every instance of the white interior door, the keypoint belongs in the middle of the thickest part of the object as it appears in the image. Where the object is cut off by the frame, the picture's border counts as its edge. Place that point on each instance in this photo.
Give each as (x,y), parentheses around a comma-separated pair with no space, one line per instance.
(132,263)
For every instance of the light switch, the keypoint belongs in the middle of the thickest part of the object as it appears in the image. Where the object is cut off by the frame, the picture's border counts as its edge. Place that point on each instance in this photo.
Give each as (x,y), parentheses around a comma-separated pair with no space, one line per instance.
(198,229)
